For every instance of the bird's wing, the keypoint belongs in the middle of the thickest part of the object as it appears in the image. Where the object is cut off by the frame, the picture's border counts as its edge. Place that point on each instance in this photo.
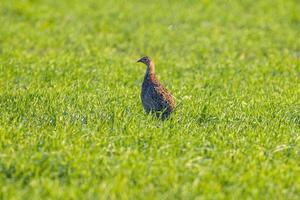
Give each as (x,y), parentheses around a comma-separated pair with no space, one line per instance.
(164,96)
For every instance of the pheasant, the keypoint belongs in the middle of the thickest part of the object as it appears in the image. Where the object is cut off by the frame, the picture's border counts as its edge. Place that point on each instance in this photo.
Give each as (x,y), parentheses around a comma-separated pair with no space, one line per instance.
(155,97)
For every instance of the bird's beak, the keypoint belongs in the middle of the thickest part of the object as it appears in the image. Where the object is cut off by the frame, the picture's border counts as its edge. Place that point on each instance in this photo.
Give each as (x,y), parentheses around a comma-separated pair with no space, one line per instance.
(140,60)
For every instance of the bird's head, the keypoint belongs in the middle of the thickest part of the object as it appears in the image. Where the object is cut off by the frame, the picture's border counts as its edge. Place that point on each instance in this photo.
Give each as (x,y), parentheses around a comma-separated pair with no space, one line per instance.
(146,60)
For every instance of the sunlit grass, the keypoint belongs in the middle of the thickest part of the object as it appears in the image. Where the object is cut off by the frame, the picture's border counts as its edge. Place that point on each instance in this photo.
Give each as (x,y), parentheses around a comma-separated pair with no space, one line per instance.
(72,124)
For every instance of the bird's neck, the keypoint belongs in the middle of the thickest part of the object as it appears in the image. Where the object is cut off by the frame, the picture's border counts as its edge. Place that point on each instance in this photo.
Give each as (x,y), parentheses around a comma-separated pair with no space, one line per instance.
(150,72)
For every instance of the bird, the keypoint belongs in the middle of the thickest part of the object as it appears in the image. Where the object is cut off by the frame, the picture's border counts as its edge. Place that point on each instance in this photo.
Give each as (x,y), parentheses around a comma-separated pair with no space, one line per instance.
(155,97)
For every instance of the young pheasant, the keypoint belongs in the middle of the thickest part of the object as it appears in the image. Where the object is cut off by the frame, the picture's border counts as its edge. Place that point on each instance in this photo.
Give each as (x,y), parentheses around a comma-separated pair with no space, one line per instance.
(155,97)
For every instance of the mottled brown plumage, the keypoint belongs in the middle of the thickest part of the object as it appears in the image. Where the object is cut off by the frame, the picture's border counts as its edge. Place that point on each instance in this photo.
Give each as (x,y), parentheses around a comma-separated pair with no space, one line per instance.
(155,97)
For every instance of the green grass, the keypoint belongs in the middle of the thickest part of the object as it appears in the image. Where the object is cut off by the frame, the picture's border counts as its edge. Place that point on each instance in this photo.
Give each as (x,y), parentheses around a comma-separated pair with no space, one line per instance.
(71,121)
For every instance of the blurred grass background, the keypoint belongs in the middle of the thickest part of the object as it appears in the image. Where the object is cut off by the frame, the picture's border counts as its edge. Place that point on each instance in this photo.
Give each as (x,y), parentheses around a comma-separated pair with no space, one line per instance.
(71,121)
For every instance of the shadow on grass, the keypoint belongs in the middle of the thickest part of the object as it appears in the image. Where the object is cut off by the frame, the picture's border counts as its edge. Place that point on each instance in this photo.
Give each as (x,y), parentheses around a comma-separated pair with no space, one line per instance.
(204,117)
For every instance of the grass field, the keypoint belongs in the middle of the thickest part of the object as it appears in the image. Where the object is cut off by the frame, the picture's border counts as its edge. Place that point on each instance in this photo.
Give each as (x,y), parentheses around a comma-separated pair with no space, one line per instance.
(72,125)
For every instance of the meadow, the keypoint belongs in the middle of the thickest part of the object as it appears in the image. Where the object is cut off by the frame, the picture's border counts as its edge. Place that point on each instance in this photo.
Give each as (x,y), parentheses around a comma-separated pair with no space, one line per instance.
(71,121)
